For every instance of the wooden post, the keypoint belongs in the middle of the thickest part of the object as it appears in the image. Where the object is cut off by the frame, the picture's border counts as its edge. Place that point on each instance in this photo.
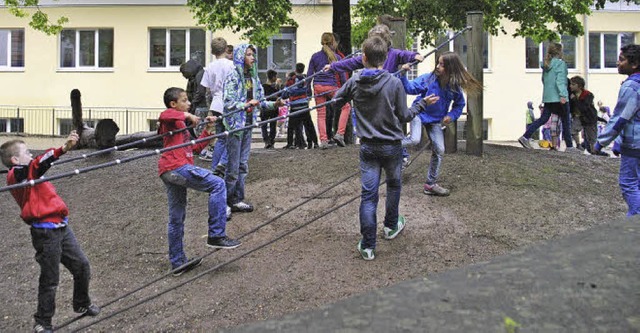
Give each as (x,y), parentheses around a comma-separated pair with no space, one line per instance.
(451,137)
(475,50)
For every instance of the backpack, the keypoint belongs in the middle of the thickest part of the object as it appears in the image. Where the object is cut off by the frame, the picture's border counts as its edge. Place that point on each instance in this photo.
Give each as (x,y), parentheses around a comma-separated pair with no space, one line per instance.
(301,90)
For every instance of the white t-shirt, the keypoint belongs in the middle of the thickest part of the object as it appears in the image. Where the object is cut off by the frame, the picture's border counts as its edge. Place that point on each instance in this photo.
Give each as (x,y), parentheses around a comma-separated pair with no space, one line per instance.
(213,78)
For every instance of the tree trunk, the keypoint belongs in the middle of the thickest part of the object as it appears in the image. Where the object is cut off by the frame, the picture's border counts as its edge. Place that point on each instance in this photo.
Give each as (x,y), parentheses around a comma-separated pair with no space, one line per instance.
(341,26)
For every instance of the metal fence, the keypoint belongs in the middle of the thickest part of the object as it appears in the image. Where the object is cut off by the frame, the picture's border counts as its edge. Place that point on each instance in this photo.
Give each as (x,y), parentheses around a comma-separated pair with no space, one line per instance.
(49,120)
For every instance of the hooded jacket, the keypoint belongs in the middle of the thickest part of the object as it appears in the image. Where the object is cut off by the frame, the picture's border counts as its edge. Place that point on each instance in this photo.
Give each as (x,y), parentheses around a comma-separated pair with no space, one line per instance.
(380,104)
(193,72)
(427,84)
(625,121)
(235,92)
(554,81)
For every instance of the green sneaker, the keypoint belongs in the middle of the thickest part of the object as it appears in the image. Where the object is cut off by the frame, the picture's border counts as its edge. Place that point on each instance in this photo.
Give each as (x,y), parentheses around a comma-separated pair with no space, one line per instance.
(367,254)
(392,233)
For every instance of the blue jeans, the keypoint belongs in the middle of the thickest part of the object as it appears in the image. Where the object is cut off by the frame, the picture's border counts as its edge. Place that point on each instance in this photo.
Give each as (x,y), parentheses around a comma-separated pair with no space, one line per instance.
(629,180)
(220,148)
(434,130)
(415,134)
(374,158)
(177,181)
(238,149)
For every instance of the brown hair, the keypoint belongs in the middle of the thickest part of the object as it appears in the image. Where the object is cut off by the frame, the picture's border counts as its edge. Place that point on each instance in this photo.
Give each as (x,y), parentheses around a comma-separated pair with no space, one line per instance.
(554,50)
(458,76)
(8,150)
(328,42)
(218,46)
(375,49)
(383,32)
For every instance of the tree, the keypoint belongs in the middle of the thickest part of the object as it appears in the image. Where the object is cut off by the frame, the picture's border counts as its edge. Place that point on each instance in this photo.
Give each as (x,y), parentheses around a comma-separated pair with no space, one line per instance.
(39,19)
(539,19)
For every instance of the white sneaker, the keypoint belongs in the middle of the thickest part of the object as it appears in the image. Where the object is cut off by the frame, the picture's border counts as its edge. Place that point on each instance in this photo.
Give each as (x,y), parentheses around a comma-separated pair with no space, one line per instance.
(393,233)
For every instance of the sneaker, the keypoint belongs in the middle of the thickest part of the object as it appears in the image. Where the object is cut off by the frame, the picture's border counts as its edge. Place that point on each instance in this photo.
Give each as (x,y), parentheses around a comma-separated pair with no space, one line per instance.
(242,207)
(91,310)
(572,150)
(525,142)
(436,190)
(316,146)
(222,242)
(309,145)
(339,140)
(206,155)
(220,171)
(367,254)
(228,211)
(405,162)
(392,233)
(189,265)
(39,328)
(327,145)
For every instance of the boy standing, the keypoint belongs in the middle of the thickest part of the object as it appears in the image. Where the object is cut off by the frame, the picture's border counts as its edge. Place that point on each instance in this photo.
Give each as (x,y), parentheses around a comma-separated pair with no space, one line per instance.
(381,108)
(585,116)
(178,173)
(625,123)
(51,235)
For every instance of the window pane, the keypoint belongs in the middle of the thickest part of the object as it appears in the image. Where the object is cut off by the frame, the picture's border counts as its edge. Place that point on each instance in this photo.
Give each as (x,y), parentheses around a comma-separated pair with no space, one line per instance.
(17,48)
(262,59)
(68,48)
(283,55)
(178,47)
(105,48)
(197,45)
(87,48)
(158,48)
(569,50)
(610,50)
(626,38)
(532,54)
(594,51)
(4,45)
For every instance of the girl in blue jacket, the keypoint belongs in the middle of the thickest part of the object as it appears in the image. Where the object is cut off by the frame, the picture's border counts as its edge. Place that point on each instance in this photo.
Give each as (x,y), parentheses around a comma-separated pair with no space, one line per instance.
(447,81)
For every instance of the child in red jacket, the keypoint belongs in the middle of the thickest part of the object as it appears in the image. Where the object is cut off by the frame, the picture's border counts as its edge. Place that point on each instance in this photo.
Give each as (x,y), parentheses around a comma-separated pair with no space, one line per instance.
(51,235)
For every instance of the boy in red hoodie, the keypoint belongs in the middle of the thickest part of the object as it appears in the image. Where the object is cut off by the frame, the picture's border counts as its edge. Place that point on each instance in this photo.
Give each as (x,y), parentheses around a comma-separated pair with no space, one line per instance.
(51,235)
(178,173)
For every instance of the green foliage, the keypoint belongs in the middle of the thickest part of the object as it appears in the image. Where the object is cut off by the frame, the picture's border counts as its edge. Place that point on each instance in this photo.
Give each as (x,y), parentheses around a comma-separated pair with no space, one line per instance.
(258,20)
(539,19)
(39,19)
(510,325)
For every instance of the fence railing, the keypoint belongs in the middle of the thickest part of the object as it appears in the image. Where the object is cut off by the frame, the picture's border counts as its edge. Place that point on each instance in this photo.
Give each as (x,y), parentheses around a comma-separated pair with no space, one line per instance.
(50,120)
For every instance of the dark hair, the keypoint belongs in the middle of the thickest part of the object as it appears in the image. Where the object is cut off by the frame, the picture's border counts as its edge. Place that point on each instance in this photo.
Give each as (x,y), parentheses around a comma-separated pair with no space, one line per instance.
(8,150)
(271,75)
(578,80)
(375,48)
(171,95)
(299,67)
(632,53)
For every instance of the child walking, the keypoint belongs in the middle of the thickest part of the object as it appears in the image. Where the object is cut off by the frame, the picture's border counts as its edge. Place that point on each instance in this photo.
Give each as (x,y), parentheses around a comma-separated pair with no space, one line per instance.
(447,81)
(178,173)
(51,235)
(381,108)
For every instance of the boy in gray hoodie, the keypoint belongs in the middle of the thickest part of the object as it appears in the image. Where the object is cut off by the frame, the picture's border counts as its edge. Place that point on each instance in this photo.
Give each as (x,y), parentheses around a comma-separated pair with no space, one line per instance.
(381,108)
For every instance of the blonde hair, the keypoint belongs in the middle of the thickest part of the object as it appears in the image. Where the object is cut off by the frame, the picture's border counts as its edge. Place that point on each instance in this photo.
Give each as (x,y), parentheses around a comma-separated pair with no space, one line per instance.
(328,42)
(554,50)
(458,75)
(382,31)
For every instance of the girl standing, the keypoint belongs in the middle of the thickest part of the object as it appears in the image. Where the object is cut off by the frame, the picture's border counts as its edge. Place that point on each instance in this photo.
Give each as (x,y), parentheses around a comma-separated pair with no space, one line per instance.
(447,81)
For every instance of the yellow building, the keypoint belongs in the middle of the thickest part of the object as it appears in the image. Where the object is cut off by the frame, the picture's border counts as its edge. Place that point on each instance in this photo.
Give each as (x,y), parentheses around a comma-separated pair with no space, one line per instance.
(122,55)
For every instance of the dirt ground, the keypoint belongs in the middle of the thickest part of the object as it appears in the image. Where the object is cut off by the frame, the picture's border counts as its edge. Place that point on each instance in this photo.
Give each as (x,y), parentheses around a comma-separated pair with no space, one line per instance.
(508,199)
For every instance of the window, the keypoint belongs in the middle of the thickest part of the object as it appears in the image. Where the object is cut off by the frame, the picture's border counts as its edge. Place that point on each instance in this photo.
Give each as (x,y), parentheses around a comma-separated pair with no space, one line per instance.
(461,126)
(280,55)
(66,125)
(604,48)
(535,52)
(412,73)
(153,124)
(11,125)
(86,48)
(170,48)
(11,48)
(459,45)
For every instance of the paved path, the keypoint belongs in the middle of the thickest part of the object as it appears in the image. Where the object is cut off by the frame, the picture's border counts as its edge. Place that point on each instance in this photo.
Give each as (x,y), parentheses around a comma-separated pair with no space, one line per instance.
(586,282)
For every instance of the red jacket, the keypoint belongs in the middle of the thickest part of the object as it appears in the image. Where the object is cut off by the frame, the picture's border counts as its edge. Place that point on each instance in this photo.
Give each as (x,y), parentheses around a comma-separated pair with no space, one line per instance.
(39,203)
(173,120)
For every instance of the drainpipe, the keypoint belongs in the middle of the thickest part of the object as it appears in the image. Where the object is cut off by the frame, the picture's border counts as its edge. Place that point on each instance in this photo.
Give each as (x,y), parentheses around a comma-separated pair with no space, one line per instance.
(585,24)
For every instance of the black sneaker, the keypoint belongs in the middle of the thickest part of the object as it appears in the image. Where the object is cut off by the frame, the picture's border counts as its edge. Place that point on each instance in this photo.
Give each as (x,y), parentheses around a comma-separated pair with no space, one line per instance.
(189,265)
(39,328)
(222,242)
(242,207)
(91,310)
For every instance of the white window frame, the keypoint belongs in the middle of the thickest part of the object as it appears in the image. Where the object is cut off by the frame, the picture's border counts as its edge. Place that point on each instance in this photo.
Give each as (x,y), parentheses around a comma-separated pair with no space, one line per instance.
(286,33)
(602,68)
(167,53)
(96,52)
(541,53)
(8,67)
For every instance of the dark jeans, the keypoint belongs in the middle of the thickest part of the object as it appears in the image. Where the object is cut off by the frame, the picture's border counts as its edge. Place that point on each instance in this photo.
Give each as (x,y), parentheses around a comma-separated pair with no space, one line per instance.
(294,131)
(309,129)
(55,246)
(269,130)
(565,117)
(373,159)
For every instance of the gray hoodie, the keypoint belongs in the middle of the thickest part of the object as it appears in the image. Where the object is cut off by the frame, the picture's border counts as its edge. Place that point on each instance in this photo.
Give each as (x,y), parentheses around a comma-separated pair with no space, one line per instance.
(380,103)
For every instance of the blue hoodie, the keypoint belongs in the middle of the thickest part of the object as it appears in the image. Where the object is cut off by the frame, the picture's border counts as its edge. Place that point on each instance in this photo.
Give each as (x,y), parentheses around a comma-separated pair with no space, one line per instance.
(625,121)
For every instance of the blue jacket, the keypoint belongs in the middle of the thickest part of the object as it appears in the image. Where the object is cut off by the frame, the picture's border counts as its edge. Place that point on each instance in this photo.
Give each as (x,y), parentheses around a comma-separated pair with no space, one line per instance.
(625,121)
(427,84)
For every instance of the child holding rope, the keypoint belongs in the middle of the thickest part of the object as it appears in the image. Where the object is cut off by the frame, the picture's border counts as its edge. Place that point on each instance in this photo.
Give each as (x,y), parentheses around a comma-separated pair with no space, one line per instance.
(381,108)
(47,215)
(178,173)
